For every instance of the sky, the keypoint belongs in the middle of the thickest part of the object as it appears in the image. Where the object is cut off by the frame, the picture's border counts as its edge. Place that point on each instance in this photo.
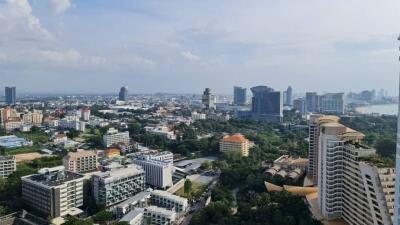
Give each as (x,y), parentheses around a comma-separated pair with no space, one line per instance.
(183,46)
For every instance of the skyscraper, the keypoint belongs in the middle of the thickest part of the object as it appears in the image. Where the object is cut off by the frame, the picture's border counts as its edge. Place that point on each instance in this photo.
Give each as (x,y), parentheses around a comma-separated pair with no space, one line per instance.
(207,99)
(267,104)
(123,93)
(289,96)
(312,101)
(10,94)
(331,103)
(239,95)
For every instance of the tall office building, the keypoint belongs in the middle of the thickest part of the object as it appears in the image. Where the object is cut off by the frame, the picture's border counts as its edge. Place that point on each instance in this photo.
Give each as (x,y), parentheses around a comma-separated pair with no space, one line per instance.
(267,104)
(331,103)
(315,123)
(312,102)
(11,95)
(123,93)
(354,184)
(208,99)
(300,105)
(289,96)
(239,95)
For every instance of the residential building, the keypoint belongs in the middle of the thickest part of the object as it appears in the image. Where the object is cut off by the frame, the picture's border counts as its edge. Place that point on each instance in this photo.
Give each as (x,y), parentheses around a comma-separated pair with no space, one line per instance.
(208,99)
(123,93)
(158,173)
(113,137)
(140,200)
(53,192)
(198,116)
(312,102)
(235,143)
(165,156)
(316,120)
(81,161)
(218,117)
(267,104)
(85,113)
(331,103)
(170,201)
(162,131)
(239,95)
(13,123)
(32,118)
(117,185)
(159,216)
(134,217)
(354,184)
(60,138)
(8,166)
(11,95)
(75,124)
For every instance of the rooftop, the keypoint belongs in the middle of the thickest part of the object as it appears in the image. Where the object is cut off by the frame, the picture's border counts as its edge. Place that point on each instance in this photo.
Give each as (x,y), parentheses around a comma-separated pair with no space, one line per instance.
(378,161)
(53,176)
(236,138)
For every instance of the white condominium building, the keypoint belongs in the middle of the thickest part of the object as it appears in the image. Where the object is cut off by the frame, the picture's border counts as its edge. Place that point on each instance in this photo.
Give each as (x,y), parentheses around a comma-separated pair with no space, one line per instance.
(72,124)
(158,173)
(316,120)
(113,137)
(7,165)
(159,216)
(167,200)
(235,143)
(53,192)
(117,185)
(81,161)
(353,182)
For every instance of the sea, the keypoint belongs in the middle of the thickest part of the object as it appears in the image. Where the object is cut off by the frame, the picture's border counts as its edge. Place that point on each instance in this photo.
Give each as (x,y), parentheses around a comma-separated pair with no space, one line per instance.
(385,109)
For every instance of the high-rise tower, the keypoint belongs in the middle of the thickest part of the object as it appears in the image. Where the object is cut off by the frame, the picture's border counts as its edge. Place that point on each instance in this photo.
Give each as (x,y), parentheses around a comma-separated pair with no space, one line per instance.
(10,94)
(123,93)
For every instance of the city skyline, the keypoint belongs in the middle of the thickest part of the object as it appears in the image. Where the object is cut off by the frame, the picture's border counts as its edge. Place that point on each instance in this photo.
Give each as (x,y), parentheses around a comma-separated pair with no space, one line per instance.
(183,47)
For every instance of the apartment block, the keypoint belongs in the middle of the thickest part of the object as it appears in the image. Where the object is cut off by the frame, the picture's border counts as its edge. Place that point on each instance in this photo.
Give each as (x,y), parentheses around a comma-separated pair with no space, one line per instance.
(167,200)
(117,185)
(7,165)
(354,184)
(81,161)
(113,137)
(235,143)
(158,173)
(53,192)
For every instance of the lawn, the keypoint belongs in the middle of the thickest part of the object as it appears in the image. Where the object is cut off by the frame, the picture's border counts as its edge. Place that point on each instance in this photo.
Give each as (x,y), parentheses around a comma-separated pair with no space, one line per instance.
(24,149)
(197,190)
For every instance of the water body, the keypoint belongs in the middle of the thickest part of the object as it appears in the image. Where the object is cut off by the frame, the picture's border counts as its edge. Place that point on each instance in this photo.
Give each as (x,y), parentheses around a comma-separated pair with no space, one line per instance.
(387,109)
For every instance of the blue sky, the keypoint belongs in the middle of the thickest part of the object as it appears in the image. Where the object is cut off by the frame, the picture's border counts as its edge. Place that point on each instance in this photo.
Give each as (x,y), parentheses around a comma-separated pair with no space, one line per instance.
(182,46)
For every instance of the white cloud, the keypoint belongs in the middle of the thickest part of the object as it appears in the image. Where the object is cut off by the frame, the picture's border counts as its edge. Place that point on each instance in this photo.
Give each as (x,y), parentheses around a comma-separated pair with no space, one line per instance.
(190,56)
(60,6)
(66,57)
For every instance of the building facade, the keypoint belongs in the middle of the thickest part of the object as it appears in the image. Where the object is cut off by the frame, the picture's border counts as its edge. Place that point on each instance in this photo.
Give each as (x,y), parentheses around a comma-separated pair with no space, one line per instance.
(235,143)
(331,103)
(53,192)
(169,201)
(117,185)
(350,178)
(8,166)
(113,137)
(267,104)
(208,99)
(312,102)
(11,95)
(123,93)
(239,95)
(158,173)
(80,161)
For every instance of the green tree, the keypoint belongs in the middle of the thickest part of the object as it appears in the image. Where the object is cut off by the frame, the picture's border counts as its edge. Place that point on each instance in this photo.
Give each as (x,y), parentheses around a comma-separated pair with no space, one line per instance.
(103,217)
(187,187)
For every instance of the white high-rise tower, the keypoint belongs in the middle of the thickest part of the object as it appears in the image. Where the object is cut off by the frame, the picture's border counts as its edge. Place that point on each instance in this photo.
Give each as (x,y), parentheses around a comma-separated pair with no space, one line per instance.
(397,186)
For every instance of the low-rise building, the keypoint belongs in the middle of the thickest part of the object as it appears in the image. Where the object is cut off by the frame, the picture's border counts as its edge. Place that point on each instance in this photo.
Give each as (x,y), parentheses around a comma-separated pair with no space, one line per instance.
(7,165)
(12,141)
(140,200)
(167,200)
(159,216)
(235,143)
(113,137)
(53,192)
(115,186)
(81,161)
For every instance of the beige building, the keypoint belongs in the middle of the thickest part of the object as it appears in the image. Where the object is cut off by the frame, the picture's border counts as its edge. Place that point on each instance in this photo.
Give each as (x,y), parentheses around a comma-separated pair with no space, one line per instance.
(34,118)
(354,183)
(235,143)
(80,161)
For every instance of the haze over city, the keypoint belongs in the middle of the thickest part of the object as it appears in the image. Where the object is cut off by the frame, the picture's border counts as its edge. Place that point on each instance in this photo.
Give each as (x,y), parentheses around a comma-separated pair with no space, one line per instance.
(70,46)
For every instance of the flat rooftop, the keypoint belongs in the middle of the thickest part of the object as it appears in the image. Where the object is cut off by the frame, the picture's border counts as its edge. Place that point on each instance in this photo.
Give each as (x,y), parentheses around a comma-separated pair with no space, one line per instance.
(54,178)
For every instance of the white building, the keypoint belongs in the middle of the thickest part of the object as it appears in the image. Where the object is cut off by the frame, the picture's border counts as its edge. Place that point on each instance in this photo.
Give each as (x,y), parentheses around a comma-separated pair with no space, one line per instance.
(167,200)
(353,183)
(72,124)
(53,191)
(113,137)
(159,216)
(158,173)
(162,131)
(198,116)
(331,103)
(7,165)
